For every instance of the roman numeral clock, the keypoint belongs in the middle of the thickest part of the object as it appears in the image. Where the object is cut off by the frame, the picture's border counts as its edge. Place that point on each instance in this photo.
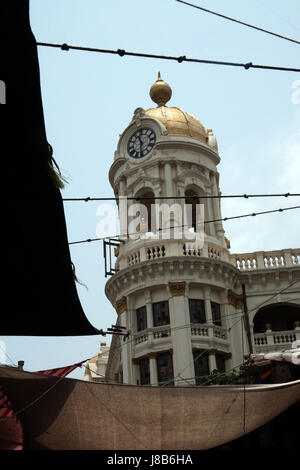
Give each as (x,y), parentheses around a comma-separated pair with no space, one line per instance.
(141,142)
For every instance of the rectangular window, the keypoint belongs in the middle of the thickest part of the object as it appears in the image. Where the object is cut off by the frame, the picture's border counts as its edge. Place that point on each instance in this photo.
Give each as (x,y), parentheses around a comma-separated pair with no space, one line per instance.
(161,313)
(220,361)
(141,318)
(165,368)
(197,311)
(216,313)
(200,365)
(145,371)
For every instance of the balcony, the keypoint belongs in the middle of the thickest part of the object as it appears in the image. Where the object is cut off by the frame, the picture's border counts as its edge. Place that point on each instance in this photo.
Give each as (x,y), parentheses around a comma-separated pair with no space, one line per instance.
(266,260)
(135,252)
(152,334)
(206,334)
(276,340)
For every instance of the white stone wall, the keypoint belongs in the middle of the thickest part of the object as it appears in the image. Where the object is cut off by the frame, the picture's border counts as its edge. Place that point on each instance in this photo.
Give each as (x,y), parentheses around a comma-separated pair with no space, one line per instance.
(147,266)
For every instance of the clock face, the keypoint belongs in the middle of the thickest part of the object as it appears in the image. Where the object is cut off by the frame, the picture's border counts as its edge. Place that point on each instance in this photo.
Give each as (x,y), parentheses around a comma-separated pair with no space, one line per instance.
(141,143)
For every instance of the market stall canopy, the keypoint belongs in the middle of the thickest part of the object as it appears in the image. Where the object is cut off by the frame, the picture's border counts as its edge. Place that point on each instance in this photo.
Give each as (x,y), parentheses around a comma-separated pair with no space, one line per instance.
(54,414)
(40,295)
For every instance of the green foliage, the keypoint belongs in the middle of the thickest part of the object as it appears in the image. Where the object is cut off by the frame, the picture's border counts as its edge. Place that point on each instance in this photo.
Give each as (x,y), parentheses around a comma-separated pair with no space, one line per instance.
(235,377)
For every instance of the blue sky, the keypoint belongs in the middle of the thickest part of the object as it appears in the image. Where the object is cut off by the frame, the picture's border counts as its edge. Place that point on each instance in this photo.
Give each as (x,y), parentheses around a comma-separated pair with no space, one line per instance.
(89,99)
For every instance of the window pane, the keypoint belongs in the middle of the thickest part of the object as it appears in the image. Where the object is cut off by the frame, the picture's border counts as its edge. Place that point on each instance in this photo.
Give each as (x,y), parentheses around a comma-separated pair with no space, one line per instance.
(200,365)
(161,313)
(197,311)
(141,318)
(220,363)
(144,371)
(216,313)
(165,368)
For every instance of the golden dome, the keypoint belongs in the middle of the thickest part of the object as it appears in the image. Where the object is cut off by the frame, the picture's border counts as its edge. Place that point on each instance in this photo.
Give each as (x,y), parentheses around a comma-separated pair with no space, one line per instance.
(176,121)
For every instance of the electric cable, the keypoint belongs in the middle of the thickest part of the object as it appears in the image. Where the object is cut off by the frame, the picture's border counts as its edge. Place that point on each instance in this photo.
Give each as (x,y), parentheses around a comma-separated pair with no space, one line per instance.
(224,219)
(238,21)
(180,59)
(195,197)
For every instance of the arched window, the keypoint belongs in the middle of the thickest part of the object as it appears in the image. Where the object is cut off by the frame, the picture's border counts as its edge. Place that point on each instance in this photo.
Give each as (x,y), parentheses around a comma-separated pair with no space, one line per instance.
(192,199)
(147,223)
(280,317)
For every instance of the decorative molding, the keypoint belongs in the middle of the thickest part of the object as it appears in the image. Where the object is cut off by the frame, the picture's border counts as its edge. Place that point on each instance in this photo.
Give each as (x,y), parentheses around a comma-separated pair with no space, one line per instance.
(177,289)
(121,284)
(236,300)
(121,305)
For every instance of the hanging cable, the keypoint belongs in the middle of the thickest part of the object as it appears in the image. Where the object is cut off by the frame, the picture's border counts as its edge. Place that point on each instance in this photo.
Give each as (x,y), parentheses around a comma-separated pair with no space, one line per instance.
(239,22)
(253,214)
(122,52)
(219,196)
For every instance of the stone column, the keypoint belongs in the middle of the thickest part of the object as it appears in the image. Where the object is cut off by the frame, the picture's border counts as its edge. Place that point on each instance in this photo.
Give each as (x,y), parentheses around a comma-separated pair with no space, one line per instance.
(208,313)
(123,208)
(212,364)
(153,369)
(207,304)
(126,353)
(148,303)
(168,179)
(217,208)
(181,337)
(136,373)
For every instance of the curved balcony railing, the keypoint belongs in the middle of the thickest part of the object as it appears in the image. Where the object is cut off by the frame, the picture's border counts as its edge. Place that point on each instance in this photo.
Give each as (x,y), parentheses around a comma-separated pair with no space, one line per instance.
(137,251)
(198,330)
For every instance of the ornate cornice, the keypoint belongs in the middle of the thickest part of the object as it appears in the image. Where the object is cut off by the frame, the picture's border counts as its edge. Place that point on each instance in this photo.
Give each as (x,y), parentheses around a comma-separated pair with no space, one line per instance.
(161,271)
(236,300)
(121,305)
(177,288)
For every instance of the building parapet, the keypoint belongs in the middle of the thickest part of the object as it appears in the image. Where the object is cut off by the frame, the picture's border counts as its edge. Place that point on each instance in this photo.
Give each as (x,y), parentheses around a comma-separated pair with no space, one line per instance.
(275,340)
(287,258)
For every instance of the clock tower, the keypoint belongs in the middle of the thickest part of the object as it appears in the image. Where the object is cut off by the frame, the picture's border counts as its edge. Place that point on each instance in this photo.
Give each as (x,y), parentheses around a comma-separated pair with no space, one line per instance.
(173,268)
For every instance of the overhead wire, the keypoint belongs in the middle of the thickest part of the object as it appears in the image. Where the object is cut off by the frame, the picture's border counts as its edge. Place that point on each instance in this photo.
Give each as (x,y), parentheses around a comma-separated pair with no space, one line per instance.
(142,198)
(180,59)
(224,219)
(198,7)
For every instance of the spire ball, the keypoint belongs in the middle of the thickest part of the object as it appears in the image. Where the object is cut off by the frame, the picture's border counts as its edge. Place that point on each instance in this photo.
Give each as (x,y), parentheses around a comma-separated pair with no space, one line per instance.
(160,92)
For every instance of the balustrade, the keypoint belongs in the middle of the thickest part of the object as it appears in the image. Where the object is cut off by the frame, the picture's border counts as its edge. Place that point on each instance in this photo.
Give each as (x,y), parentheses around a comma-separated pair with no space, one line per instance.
(191,249)
(199,330)
(220,333)
(213,253)
(134,258)
(266,259)
(155,252)
(152,333)
(270,338)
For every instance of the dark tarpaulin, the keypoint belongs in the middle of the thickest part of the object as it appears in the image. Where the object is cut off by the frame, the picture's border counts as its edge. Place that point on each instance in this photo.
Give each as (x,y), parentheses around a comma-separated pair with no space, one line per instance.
(40,295)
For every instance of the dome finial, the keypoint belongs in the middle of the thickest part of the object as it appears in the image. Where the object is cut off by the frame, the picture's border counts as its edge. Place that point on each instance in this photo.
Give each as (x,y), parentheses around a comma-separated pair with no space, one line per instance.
(160,92)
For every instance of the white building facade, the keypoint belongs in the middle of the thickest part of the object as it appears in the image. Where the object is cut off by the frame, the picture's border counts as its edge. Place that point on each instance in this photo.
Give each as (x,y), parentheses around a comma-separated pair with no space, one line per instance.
(181,299)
